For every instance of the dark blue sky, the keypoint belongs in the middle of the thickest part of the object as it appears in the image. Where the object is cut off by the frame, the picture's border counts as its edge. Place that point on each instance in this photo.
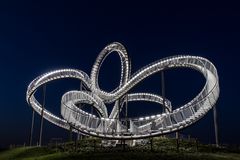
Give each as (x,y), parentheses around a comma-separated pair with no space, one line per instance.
(36,37)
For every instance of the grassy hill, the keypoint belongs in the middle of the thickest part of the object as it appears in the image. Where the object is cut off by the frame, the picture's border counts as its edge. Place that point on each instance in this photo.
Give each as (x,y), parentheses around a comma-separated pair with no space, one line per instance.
(42,153)
(164,149)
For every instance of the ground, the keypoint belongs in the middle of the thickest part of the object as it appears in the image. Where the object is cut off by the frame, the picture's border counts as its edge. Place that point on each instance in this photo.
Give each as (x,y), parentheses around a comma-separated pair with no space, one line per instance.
(164,149)
(42,153)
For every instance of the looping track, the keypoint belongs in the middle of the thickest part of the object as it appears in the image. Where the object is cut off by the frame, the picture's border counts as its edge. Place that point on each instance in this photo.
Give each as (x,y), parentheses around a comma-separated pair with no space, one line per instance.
(110,126)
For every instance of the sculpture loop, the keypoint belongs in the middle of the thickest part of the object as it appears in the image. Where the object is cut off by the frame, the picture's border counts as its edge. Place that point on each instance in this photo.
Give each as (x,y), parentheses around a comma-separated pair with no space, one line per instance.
(113,127)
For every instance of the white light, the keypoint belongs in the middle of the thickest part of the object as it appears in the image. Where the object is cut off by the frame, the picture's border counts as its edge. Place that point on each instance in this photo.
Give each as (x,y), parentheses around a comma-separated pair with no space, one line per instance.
(147,118)
(152,116)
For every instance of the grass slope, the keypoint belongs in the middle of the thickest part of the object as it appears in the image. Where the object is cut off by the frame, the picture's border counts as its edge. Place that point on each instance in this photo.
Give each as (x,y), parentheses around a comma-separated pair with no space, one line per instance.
(42,153)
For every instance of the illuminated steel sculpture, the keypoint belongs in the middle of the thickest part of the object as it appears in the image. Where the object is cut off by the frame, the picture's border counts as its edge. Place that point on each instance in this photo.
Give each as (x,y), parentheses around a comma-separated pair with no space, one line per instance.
(113,127)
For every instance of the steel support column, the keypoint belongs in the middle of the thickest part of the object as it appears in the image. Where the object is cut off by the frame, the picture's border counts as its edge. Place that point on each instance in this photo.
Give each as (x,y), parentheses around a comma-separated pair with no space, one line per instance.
(79,136)
(43,105)
(163,90)
(32,127)
(215,125)
(70,133)
(126,112)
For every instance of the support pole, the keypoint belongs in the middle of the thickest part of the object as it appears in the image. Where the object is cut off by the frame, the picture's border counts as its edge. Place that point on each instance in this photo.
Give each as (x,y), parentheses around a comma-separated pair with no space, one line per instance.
(196,141)
(43,105)
(164,97)
(91,109)
(163,90)
(94,145)
(79,136)
(177,135)
(215,125)
(177,141)
(118,118)
(32,127)
(151,143)
(118,101)
(126,113)
(70,133)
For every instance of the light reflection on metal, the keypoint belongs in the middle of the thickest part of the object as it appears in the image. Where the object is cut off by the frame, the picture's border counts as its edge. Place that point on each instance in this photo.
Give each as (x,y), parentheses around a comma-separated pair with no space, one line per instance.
(110,126)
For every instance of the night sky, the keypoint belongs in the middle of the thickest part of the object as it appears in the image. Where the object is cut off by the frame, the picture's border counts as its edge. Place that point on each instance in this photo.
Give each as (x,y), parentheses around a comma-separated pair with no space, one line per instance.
(36,37)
